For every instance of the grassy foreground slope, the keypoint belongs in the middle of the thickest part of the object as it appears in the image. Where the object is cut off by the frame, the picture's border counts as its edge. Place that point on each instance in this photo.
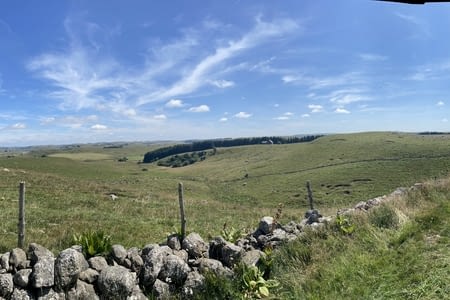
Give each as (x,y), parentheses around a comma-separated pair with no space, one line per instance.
(399,250)
(67,188)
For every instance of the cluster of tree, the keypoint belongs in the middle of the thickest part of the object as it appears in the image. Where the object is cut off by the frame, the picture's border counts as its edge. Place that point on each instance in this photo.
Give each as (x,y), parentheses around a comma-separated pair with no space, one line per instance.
(433,133)
(164,152)
(182,160)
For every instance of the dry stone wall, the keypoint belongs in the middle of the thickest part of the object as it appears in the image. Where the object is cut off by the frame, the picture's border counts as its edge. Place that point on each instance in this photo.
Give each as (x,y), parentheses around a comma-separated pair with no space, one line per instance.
(158,269)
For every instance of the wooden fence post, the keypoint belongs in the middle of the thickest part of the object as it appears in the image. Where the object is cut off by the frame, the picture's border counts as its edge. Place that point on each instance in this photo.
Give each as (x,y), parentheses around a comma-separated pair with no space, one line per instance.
(21,225)
(310,195)
(183,219)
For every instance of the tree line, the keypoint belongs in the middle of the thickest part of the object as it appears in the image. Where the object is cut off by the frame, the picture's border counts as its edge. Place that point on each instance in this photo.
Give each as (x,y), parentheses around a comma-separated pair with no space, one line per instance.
(164,152)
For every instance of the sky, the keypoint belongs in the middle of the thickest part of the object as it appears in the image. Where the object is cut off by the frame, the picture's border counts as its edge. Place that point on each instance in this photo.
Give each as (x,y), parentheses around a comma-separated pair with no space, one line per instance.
(142,70)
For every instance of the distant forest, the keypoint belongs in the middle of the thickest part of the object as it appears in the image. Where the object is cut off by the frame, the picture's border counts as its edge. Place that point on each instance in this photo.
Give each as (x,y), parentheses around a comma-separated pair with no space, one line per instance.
(164,152)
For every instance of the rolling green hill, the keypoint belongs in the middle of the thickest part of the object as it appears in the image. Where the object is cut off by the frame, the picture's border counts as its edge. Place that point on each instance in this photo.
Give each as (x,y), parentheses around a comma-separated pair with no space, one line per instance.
(68,188)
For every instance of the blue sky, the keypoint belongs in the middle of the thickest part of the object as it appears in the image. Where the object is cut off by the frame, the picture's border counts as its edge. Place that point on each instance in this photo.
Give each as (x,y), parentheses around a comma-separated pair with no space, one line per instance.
(96,71)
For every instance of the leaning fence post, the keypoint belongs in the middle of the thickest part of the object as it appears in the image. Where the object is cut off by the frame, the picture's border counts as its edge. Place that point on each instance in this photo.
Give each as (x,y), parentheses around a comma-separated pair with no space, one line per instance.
(21,225)
(183,219)
(310,195)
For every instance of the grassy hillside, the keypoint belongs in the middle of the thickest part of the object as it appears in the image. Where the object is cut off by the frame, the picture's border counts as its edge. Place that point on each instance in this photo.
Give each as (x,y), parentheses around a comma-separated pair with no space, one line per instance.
(397,251)
(67,188)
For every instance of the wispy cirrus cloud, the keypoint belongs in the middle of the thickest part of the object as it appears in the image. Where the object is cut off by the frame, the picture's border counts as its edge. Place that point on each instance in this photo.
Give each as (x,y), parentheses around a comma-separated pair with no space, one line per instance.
(318,82)
(347,96)
(431,71)
(372,57)
(222,83)
(82,77)
(261,33)
(421,27)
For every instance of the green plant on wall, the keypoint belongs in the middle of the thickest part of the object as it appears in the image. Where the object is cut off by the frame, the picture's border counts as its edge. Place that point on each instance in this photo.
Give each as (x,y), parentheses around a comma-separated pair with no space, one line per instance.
(94,243)
(231,234)
(253,283)
(343,225)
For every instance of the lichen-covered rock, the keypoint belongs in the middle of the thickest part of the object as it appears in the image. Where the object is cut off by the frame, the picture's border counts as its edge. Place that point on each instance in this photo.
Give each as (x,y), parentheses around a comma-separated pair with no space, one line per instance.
(266,225)
(161,290)
(6,285)
(174,270)
(135,259)
(119,254)
(89,275)
(231,254)
(137,294)
(206,265)
(278,235)
(312,216)
(4,261)
(22,294)
(37,252)
(49,294)
(43,274)
(252,258)
(21,278)
(195,246)
(18,259)
(195,283)
(181,254)
(215,247)
(153,261)
(116,282)
(68,266)
(81,291)
(173,241)
(98,263)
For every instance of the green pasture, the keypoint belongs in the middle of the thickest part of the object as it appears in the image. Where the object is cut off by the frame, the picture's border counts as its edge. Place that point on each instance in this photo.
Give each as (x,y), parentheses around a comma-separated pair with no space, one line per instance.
(68,187)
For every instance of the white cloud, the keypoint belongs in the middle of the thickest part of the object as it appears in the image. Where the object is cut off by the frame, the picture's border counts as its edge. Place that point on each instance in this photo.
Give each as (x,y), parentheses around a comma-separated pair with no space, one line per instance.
(444,120)
(160,117)
(371,57)
(341,110)
(285,116)
(174,103)
(224,119)
(291,78)
(315,108)
(199,109)
(47,120)
(18,126)
(222,83)
(440,103)
(261,33)
(75,122)
(322,82)
(242,115)
(305,115)
(421,28)
(99,127)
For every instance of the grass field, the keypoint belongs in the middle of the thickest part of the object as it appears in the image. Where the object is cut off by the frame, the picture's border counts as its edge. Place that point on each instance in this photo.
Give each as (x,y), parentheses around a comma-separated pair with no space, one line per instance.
(68,187)
(397,251)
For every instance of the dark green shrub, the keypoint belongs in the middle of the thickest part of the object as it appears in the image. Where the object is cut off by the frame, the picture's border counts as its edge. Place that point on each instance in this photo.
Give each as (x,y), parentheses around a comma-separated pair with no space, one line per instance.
(383,217)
